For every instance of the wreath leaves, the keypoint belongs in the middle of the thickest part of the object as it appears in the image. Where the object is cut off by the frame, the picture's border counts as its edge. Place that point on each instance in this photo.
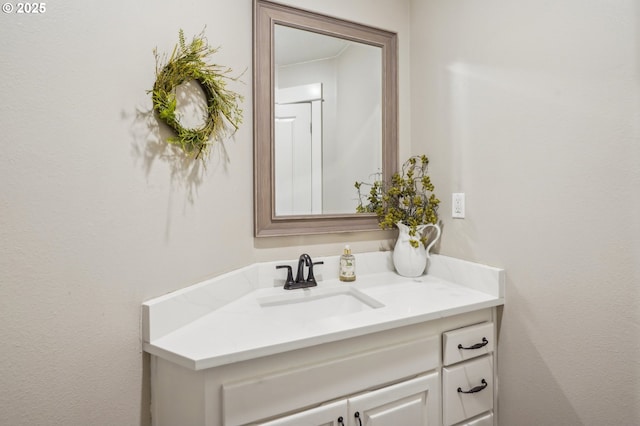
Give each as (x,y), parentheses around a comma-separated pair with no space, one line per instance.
(188,62)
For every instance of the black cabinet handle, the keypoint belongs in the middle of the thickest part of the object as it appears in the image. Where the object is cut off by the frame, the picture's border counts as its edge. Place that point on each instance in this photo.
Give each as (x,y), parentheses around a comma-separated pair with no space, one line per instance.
(476,389)
(477,345)
(357,416)
(340,421)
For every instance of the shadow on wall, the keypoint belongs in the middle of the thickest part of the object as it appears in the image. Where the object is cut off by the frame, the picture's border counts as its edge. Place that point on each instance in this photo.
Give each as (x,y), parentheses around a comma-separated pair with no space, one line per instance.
(150,141)
(529,376)
(145,397)
(150,144)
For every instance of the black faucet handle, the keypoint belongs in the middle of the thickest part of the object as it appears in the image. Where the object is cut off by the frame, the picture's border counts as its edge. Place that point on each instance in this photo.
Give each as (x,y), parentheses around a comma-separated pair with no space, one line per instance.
(310,277)
(289,275)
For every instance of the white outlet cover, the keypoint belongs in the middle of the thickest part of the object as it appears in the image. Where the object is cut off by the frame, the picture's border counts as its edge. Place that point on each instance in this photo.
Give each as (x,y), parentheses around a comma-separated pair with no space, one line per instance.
(457,205)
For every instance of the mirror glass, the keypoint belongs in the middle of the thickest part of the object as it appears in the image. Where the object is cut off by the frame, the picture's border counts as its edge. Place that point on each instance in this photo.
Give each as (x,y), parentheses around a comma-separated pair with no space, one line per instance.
(328,98)
(325,116)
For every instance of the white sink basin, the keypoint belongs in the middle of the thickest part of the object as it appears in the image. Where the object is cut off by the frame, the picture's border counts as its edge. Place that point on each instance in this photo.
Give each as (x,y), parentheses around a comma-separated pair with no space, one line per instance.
(316,303)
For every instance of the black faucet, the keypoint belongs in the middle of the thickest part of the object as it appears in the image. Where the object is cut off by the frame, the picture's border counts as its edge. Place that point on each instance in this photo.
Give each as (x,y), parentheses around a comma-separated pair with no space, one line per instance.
(304,259)
(301,281)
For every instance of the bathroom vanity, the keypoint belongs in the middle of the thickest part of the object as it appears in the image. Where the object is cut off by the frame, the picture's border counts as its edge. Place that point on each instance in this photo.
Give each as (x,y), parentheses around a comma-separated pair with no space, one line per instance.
(383,350)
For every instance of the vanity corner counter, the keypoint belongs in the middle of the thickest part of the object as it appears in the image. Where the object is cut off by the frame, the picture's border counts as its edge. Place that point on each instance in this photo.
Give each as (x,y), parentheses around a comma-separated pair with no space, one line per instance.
(246,314)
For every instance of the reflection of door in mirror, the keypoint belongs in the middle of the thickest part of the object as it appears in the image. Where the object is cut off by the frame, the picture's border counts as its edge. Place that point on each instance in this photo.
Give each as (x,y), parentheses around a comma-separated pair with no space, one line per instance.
(351,120)
(298,150)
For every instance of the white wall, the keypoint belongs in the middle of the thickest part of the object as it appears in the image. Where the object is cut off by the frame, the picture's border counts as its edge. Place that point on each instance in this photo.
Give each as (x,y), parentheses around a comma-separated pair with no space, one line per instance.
(96,216)
(533,109)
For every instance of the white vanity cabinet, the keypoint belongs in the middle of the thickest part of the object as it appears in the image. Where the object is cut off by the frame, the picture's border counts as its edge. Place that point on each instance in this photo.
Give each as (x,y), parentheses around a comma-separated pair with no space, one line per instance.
(239,350)
(386,378)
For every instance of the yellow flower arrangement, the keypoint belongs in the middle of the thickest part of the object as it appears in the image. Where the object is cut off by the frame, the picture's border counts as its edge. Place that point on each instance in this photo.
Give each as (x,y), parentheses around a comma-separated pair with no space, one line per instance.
(408,198)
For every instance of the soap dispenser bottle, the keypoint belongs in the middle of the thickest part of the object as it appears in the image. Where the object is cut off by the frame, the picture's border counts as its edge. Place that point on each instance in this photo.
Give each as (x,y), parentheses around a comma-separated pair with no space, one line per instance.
(347,265)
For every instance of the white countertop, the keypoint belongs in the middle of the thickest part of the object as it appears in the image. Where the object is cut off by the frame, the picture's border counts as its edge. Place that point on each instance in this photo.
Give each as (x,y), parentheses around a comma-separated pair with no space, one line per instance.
(235,328)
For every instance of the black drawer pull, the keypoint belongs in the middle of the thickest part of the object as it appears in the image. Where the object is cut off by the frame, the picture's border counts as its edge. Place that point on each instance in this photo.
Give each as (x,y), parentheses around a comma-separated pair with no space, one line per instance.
(476,389)
(340,421)
(485,342)
(357,416)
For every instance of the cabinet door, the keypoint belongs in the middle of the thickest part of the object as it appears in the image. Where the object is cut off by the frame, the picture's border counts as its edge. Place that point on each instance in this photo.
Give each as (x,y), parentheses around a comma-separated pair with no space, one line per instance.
(486,420)
(333,414)
(414,402)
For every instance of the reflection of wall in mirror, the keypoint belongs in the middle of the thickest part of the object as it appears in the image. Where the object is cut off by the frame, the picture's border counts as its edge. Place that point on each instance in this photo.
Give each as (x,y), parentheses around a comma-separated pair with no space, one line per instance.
(352,130)
(359,130)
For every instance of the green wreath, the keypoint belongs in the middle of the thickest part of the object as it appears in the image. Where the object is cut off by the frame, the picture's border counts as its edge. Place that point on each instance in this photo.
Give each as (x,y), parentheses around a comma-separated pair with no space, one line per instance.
(223,115)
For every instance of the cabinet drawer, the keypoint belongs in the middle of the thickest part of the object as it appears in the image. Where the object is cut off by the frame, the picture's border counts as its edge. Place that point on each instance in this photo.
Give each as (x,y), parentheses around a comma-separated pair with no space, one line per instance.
(467,389)
(468,342)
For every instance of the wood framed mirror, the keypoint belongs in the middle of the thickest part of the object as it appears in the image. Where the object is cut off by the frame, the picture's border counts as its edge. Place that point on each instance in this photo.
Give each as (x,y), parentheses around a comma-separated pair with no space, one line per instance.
(325,116)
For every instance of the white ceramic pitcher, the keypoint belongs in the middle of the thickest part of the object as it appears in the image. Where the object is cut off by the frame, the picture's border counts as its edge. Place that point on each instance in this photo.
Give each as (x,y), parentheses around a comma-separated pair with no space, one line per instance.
(412,261)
